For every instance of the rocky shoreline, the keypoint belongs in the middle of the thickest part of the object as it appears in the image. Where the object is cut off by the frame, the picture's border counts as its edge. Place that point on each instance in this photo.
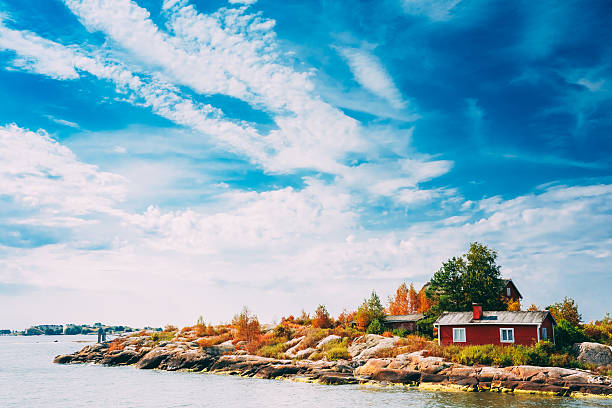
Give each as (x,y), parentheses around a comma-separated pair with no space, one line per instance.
(410,369)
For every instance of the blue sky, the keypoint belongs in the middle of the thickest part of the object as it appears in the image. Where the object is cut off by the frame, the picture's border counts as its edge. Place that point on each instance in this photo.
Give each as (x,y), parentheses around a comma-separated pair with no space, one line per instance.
(191,157)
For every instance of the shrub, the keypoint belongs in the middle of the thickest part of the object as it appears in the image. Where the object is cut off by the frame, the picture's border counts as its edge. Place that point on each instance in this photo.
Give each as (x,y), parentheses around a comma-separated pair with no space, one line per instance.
(400,332)
(337,349)
(117,344)
(313,336)
(273,351)
(283,331)
(566,334)
(317,355)
(162,336)
(207,342)
(322,319)
(375,327)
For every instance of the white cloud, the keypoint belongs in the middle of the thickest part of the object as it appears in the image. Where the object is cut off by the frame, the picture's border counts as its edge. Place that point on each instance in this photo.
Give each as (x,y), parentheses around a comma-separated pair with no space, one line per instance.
(39,172)
(439,10)
(371,74)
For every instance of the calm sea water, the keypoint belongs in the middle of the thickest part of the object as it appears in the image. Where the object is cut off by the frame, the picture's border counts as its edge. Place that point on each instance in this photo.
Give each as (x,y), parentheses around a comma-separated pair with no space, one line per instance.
(29,379)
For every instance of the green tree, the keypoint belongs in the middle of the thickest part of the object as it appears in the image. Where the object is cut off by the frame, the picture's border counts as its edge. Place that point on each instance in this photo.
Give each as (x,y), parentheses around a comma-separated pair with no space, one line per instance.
(566,310)
(472,278)
(368,311)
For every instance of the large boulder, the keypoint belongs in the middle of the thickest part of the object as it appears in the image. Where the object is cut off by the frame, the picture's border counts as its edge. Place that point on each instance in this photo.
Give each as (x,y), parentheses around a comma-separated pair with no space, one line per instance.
(594,353)
(368,346)
(154,358)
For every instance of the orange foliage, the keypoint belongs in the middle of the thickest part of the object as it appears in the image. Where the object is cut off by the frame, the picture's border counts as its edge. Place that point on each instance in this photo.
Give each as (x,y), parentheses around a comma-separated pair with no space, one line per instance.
(413,299)
(170,328)
(117,344)
(362,319)
(387,334)
(321,319)
(247,329)
(424,302)
(399,304)
(514,305)
(213,340)
(533,308)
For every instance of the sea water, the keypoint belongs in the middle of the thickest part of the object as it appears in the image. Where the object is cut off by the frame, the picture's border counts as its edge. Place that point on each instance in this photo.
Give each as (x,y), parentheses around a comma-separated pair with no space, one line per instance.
(28,378)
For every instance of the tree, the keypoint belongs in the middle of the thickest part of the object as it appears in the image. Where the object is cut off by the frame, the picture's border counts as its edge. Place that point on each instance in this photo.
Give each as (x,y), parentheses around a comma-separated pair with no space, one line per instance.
(322,319)
(399,305)
(533,308)
(424,303)
(514,305)
(472,278)
(247,326)
(566,310)
(368,311)
(413,299)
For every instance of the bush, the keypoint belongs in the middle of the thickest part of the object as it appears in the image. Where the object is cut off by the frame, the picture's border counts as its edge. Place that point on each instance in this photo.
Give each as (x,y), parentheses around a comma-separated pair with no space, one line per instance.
(400,332)
(375,327)
(162,336)
(337,349)
(566,334)
(273,351)
(313,336)
(283,331)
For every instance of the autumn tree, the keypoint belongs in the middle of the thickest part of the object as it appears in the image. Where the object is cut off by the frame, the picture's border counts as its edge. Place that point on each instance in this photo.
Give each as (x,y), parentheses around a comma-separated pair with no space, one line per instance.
(424,303)
(399,305)
(371,309)
(533,308)
(413,299)
(566,310)
(247,326)
(514,305)
(322,319)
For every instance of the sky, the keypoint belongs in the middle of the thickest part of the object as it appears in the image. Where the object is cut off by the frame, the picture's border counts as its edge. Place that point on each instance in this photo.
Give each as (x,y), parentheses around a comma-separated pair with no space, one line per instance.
(164,160)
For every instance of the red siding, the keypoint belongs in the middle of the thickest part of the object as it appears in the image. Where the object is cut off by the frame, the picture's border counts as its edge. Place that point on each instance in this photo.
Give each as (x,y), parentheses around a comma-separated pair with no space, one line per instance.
(514,295)
(548,324)
(490,334)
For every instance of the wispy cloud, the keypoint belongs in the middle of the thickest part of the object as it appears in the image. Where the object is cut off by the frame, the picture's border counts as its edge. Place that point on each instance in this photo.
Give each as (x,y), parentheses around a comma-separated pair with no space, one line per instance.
(439,10)
(371,74)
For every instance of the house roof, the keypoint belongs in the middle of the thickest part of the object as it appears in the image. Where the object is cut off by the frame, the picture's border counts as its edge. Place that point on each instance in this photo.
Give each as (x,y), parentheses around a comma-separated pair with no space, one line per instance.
(492,318)
(508,281)
(404,318)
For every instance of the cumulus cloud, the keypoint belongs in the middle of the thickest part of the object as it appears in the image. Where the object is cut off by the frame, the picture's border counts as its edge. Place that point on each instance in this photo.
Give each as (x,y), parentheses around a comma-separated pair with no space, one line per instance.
(37,171)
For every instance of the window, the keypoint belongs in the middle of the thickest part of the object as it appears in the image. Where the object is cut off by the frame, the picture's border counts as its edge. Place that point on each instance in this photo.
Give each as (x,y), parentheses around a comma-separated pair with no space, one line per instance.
(459,335)
(508,291)
(506,335)
(544,333)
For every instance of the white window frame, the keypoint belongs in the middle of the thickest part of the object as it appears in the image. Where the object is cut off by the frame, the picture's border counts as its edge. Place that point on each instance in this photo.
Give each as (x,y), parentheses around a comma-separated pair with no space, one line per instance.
(501,337)
(544,333)
(456,339)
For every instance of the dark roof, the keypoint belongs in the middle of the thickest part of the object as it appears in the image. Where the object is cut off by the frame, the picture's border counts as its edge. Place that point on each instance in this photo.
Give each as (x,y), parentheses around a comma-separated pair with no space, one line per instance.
(507,281)
(415,317)
(493,317)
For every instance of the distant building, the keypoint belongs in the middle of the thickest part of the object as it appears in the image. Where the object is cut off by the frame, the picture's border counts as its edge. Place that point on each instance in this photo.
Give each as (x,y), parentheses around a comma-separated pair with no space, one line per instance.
(407,322)
(495,327)
(511,292)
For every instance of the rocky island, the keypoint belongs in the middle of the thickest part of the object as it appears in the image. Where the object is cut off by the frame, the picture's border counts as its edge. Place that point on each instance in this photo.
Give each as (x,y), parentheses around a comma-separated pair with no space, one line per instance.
(362,365)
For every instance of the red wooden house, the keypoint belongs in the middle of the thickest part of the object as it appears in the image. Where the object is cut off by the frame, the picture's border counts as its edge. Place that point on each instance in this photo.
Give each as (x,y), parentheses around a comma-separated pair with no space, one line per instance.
(510,291)
(495,327)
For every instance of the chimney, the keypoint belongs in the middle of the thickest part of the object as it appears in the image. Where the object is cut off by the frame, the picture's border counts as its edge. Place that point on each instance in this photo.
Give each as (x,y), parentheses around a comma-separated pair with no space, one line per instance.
(477,307)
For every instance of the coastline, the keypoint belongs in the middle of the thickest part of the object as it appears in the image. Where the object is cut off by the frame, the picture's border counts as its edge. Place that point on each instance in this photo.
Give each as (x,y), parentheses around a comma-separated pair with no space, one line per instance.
(415,369)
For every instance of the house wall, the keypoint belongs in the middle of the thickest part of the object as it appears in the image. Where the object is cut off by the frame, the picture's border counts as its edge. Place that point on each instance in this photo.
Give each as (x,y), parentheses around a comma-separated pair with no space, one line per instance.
(409,326)
(514,295)
(548,323)
(490,334)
